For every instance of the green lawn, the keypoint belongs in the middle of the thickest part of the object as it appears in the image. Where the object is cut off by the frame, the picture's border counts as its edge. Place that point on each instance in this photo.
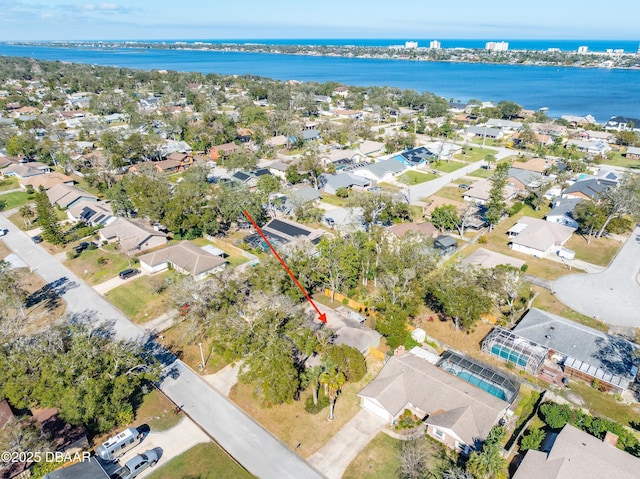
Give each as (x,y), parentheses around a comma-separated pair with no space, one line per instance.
(415,178)
(15,199)
(96,266)
(447,166)
(481,173)
(234,254)
(334,200)
(9,183)
(617,158)
(139,299)
(379,460)
(204,461)
(450,193)
(599,251)
(473,154)
(156,411)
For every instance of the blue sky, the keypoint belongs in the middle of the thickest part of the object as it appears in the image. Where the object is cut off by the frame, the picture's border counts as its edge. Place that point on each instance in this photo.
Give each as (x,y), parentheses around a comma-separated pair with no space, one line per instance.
(246,19)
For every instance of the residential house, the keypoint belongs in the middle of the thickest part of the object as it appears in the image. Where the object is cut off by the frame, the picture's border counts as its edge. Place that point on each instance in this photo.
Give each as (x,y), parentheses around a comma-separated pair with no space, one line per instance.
(549,129)
(65,196)
(338,158)
(590,147)
(47,181)
(562,212)
(277,141)
(184,257)
(540,139)
(10,160)
(578,120)
(538,237)
(25,170)
(523,180)
(535,165)
(504,125)
(173,146)
(347,114)
(425,229)
(457,107)
(303,196)
(345,180)
(371,148)
(223,151)
(416,156)
(282,232)
(633,153)
(589,189)
(584,353)
(276,167)
(485,132)
(250,178)
(133,235)
(622,123)
(604,136)
(484,258)
(457,414)
(115,118)
(479,192)
(445,244)
(342,91)
(93,213)
(309,135)
(382,170)
(576,454)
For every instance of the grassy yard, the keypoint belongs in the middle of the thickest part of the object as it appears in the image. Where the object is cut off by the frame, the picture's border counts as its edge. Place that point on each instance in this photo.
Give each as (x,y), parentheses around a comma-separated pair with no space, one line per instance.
(617,158)
(334,200)
(293,425)
(481,173)
(599,251)
(447,166)
(156,411)
(9,183)
(415,177)
(379,460)
(176,339)
(389,187)
(139,299)
(603,404)
(100,264)
(473,154)
(15,199)
(204,461)
(549,302)
(450,193)
(234,254)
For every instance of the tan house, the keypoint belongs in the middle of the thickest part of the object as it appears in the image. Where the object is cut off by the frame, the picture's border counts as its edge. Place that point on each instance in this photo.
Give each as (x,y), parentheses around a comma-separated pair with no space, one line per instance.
(93,213)
(65,196)
(185,257)
(457,413)
(47,181)
(133,235)
(537,165)
(25,170)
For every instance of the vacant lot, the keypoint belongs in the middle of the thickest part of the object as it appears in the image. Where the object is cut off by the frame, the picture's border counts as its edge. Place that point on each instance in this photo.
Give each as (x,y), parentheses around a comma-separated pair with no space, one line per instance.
(293,425)
(178,340)
(415,177)
(450,193)
(96,266)
(447,166)
(549,302)
(143,298)
(599,251)
(204,461)
(618,158)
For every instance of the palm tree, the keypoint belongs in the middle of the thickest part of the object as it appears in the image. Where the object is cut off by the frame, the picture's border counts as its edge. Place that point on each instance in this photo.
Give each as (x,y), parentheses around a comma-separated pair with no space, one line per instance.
(311,377)
(487,464)
(26,213)
(333,380)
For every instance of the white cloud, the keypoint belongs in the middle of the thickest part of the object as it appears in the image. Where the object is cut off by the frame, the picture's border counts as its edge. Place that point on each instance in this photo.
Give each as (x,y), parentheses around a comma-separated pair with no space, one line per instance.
(110,6)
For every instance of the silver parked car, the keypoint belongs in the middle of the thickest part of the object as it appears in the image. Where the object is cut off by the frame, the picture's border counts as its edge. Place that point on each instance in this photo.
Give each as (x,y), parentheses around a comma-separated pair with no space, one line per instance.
(135,466)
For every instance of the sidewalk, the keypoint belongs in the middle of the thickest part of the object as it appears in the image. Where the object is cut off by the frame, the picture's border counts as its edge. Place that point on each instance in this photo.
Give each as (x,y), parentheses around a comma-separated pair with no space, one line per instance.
(161,323)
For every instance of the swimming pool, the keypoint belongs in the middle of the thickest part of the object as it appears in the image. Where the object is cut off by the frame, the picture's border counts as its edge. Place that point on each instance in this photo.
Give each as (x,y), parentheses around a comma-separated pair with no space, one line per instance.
(482,384)
(509,354)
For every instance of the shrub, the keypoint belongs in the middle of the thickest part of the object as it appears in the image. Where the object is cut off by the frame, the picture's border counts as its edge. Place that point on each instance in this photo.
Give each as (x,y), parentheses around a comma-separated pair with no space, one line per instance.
(342,192)
(72,254)
(311,408)
(482,240)
(524,268)
(533,440)
(515,209)
(102,261)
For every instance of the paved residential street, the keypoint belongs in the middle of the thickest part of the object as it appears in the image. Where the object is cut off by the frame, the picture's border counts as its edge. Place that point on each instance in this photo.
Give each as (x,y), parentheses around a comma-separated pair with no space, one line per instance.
(421,191)
(612,296)
(251,445)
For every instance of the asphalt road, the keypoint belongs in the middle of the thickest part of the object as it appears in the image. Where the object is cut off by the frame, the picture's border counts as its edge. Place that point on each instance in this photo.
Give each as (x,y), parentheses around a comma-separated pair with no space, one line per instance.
(428,188)
(612,296)
(251,445)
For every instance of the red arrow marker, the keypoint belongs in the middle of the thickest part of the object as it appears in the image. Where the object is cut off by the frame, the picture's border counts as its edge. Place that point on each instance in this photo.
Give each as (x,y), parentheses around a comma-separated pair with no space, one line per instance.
(321,316)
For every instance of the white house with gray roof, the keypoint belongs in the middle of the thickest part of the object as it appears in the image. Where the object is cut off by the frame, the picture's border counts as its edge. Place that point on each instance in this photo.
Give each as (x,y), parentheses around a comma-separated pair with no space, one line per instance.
(538,237)
(345,180)
(382,170)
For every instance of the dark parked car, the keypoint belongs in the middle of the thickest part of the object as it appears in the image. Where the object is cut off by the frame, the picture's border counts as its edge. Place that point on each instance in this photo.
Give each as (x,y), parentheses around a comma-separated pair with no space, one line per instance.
(128,273)
(37,239)
(464,186)
(82,246)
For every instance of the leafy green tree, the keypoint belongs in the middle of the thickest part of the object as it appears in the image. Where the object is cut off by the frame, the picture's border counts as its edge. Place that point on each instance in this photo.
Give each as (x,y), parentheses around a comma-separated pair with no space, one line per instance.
(496,204)
(47,218)
(268,184)
(533,440)
(27,214)
(121,204)
(149,192)
(311,377)
(348,360)
(445,217)
(590,218)
(338,264)
(621,201)
(508,109)
(292,175)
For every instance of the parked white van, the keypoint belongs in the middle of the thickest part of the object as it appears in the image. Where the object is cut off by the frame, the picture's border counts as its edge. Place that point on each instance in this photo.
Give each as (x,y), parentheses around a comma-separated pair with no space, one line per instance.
(116,446)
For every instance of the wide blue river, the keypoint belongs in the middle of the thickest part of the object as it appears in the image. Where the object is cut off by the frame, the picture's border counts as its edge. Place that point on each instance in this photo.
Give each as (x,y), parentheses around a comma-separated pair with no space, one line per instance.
(580,91)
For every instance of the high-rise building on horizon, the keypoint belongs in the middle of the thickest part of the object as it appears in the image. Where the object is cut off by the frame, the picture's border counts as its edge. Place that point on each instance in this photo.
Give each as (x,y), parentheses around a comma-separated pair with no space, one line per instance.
(435,45)
(411,45)
(497,46)
(583,49)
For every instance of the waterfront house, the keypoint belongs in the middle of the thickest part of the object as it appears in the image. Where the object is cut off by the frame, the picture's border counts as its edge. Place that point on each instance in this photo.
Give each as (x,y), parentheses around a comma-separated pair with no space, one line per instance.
(623,123)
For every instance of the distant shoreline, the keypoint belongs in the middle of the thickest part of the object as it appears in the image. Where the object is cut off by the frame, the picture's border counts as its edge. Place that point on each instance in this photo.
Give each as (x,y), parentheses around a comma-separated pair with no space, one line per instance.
(615,58)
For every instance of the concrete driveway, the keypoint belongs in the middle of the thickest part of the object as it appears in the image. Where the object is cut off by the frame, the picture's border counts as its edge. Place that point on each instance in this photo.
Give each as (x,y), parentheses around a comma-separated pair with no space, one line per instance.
(344,447)
(612,296)
(423,190)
